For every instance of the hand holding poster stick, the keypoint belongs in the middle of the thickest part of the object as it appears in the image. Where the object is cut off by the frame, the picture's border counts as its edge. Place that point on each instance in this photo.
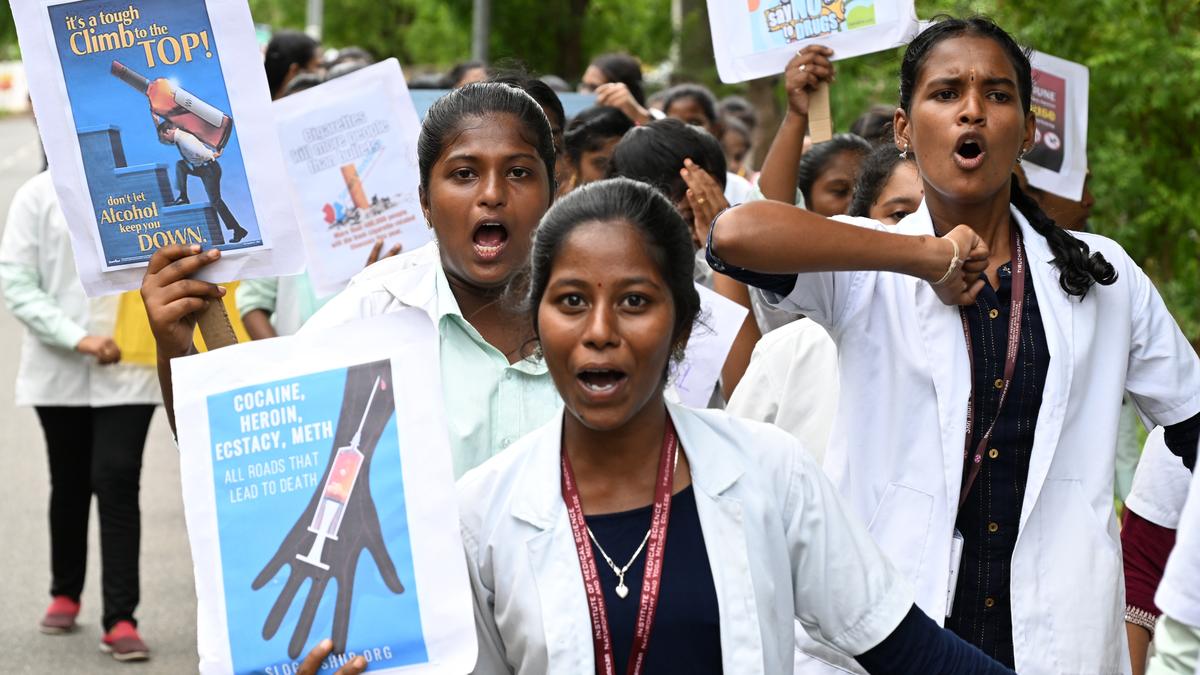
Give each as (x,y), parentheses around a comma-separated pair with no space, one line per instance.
(340,520)
(806,74)
(820,119)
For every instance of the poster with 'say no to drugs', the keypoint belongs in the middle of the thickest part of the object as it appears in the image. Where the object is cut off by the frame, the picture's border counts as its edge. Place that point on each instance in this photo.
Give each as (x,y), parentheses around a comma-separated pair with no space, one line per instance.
(157,133)
(757,38)
(320,502)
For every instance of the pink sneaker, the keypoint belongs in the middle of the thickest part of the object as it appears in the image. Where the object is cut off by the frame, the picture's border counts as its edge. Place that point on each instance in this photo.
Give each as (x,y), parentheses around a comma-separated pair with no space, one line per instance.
(60,616)
(124,643)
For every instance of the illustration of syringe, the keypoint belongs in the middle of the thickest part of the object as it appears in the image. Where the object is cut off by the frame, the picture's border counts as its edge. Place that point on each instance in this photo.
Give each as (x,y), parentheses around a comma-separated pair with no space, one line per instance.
(338,486)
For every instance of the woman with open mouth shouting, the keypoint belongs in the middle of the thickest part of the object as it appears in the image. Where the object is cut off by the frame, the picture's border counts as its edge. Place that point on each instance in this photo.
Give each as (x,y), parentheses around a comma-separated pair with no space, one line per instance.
(982,368)
(631,535)
(486,159)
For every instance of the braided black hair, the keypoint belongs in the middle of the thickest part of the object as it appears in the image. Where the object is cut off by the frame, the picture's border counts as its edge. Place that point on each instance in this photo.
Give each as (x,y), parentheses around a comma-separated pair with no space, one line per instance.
(1078,266)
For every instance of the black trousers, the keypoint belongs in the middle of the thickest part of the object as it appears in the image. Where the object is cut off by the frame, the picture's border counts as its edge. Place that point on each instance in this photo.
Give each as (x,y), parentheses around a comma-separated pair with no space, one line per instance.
(209,174)
(96,451)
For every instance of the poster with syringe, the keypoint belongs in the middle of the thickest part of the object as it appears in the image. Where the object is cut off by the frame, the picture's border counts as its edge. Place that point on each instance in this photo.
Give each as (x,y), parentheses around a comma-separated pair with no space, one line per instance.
(319,498)
(157,134)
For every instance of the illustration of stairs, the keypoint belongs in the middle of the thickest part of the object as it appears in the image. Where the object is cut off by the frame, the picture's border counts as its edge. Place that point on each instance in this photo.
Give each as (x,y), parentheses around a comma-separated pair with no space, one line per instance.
(108,174)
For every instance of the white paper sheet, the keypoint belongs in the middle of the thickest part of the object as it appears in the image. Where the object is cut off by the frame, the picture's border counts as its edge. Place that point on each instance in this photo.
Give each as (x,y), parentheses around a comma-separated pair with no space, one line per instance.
(361,128)
(757,38)
(712,337)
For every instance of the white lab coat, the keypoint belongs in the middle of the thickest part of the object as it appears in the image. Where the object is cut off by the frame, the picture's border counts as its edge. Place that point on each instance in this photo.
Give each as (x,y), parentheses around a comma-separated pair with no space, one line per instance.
(1160,484)
(792,382)
(1178,595)
(36,235)
(780,545)
(896,450)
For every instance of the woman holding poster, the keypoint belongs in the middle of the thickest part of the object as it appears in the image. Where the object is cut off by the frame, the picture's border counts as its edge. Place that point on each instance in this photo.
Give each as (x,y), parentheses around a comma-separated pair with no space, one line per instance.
(94,411)
(634,535)
(986,468)
(486,160)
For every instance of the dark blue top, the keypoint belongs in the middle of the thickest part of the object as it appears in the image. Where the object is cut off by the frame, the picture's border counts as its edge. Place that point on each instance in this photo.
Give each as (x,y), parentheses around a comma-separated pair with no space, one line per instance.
(686,634)
(988,520)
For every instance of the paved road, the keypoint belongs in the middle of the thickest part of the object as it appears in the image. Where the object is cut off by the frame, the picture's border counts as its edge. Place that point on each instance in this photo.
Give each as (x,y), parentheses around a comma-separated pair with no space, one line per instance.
(168,610)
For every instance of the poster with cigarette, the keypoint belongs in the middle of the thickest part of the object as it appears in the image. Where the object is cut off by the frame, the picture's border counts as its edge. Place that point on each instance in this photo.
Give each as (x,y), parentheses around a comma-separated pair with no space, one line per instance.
(757,38)
(153,139)
(320,502)
(350,146)
(1057,162)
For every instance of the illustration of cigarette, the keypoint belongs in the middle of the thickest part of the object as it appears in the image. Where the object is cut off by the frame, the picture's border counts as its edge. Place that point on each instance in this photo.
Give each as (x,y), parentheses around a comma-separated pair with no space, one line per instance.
(338,487)
(183,108)
(354,185)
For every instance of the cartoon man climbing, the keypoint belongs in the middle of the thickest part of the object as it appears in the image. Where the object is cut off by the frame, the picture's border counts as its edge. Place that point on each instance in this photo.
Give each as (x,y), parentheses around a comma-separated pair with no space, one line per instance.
(200,160)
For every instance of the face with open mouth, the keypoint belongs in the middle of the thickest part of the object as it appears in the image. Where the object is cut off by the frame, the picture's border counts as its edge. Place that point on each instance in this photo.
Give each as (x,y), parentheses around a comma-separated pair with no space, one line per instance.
(487,191)
(605,324)
(966,123)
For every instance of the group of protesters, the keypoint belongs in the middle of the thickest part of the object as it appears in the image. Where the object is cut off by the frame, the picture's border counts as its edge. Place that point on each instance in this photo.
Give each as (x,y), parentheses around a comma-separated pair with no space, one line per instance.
(907,465)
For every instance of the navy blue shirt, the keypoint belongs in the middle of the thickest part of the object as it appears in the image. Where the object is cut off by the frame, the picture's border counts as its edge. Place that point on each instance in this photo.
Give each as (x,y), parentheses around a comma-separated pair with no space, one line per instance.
(686,634)
(988,520)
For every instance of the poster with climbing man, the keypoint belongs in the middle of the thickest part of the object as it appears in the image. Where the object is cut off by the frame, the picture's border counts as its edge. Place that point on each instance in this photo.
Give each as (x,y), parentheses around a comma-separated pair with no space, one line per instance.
(151,140)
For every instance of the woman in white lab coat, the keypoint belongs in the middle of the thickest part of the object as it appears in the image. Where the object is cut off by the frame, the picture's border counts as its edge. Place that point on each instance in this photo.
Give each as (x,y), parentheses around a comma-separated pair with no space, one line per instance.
(1039,585)
(627,513)
(94,411)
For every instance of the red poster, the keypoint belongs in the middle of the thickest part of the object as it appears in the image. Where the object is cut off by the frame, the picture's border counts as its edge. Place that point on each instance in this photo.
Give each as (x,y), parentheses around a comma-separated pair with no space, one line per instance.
(1049,109)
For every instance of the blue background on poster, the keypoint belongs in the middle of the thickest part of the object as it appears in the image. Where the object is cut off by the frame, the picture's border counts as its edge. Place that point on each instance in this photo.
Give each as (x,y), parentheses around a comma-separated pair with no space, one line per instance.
(251,531)
(100,100)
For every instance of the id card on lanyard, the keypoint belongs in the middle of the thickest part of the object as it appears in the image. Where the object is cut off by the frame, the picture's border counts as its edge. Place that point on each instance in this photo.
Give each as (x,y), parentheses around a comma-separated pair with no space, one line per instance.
(651,576)
(975,461)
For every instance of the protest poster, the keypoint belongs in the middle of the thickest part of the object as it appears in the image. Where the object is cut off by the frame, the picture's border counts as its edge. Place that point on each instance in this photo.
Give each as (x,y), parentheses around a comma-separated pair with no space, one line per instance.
(350,146)
(319,497)
(695,376)
(757,38)
(158,132)
(1057,162)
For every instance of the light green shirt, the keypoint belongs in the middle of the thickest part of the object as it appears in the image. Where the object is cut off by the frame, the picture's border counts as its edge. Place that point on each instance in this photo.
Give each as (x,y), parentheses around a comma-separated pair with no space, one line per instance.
(289,300)
(489,403)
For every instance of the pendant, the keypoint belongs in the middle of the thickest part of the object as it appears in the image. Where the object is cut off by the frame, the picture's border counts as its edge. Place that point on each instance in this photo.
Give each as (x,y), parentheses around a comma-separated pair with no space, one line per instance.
(622,590)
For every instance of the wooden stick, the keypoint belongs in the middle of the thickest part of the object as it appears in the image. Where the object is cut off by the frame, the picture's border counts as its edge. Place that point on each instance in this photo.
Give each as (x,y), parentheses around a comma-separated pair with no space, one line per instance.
(215,327)
(820,122)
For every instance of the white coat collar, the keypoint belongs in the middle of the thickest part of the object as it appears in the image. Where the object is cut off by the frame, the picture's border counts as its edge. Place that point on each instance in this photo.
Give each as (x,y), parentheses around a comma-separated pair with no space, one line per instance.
(418,287)
(713,471)
(949,365)
(538,501)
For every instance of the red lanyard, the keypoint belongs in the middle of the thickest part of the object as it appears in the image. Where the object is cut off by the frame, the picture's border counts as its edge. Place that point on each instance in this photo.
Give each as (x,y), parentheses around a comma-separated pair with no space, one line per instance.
(1016,304)
(651,577)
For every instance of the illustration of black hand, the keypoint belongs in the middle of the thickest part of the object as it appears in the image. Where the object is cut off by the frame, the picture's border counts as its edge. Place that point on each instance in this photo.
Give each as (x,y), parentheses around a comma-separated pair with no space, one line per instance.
(327,539)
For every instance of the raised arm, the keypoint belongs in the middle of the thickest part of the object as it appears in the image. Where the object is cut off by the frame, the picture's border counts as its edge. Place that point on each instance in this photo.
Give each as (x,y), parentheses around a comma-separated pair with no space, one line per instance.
(774,238)
(804,73)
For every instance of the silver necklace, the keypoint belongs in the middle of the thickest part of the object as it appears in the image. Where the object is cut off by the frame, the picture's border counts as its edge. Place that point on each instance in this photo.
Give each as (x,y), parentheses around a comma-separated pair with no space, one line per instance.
(622,589)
